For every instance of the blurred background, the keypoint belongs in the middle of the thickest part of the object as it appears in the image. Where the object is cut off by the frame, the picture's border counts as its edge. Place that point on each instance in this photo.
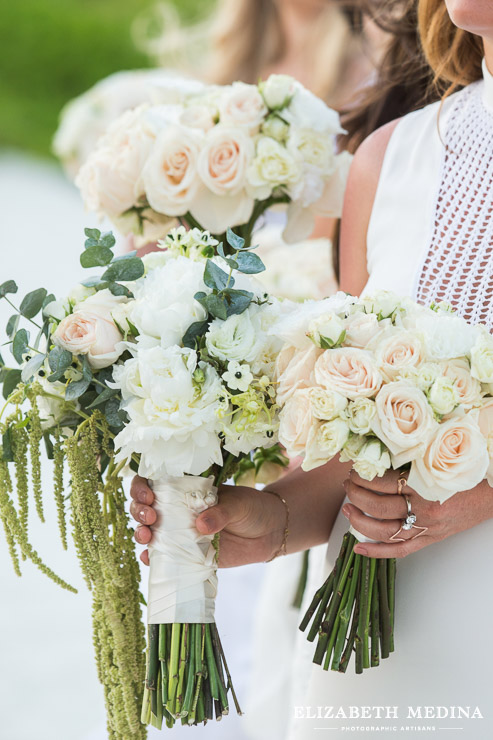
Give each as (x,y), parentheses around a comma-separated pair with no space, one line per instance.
(51,52)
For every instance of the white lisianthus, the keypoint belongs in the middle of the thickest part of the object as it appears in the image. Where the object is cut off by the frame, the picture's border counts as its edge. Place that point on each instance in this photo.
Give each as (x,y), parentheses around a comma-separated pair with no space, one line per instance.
(277,91)
(173,422)
(238,377)
(170,176)
(164,305)
(325,440)
(443,396)
(242,105)
(275,128)
(326,404)
(469,388)
(235,338)
(308,111)
(482,358)
(359,415)
(403,421)
(313,147)
(272,166)
(456,459)
(327,331)
(372,460)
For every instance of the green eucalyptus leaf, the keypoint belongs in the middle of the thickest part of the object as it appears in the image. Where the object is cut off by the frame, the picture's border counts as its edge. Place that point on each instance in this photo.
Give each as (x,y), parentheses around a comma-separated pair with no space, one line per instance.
(216,306)
(126,256)
(10,286)
(119,289)
(107,240)
(75,389)
(32,303)
(193,333)
(216,278)
(11,381)
(19,344)
(92,234)
(31,367)
(59,360)
(86,368)
(113,413)
(235,241)
(249,263)
(238,301)
(104,396)
(96,256)
(49,298)
(127,270)
(12,324)
(93,282)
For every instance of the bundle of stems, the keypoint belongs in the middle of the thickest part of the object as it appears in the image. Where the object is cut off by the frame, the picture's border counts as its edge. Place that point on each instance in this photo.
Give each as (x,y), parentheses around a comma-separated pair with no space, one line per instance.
(187,676)
(353,611)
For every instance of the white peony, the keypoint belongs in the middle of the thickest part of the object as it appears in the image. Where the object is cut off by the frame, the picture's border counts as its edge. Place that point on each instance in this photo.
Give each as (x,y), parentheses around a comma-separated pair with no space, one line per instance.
(164,305)
(173,422)
(446,336)
(293,328)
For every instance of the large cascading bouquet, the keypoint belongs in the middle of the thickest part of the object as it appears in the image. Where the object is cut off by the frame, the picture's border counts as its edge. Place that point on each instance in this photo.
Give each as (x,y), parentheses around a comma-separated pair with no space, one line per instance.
(166,365)
(219,158)
(384,383)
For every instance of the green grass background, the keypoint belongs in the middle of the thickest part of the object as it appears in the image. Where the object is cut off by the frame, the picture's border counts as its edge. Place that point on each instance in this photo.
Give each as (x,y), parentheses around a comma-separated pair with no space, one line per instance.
(52,50)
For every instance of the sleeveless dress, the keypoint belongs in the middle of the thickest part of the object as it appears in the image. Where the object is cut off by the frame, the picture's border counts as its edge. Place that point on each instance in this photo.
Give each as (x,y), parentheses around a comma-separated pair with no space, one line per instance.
(430,237)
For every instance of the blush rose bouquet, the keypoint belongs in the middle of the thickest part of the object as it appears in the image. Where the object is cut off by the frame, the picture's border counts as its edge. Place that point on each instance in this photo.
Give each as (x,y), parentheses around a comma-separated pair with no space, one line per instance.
(384,383)
(217,159)
(164,366)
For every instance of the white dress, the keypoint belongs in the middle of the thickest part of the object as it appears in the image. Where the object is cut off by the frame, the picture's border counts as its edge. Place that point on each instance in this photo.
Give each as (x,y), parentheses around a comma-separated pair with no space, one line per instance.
(430,237)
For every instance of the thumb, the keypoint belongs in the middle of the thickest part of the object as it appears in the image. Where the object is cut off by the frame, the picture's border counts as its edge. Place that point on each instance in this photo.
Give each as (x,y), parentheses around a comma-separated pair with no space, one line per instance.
(214,519)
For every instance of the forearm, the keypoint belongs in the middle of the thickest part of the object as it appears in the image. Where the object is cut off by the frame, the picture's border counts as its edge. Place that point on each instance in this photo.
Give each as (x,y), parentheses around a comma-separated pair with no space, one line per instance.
(314,500)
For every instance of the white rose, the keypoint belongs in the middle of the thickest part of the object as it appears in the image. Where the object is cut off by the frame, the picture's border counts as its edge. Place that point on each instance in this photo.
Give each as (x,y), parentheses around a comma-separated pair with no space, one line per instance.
(297,373)
(351,372)
(383,303)
(277,91)
(57,309)
(325,440)
(296,420)
(79,293)
(359,415)
(164,305)
(360,329)
(90,330)
(233,339)
(396,349)
(352,448)
(173,423)
(455,460)
(443,396)
(272,166)
(485,421)
(327,331)
(469,389)
(170,176)
(372,460)
(198,116)
(326,405)
(242,105)
(403,421)
(482,358)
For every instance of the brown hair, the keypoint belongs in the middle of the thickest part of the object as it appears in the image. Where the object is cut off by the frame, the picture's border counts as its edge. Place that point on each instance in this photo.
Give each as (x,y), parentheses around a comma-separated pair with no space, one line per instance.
(454,55)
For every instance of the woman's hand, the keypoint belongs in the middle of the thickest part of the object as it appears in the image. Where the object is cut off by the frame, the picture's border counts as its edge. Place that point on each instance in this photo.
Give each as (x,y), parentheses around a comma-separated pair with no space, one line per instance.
(460,512)
(251,522)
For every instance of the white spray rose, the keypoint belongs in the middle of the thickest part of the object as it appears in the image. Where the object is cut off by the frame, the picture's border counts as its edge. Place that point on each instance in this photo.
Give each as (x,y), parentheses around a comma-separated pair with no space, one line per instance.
(372,460)
(485,421)
(314,148)
(325,440)
(271,167)
(359,415)
(326,405)
(482,358)
(275,128)
(469,388)
(443,396)
(307,111)
(352,448)
(277,91)
(426,374)
(383,303)
(327,331)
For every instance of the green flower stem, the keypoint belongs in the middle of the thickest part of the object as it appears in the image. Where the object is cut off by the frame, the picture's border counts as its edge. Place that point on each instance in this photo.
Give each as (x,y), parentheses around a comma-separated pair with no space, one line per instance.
(335,629)
(345,614)
(385,624)
(366,633)
(328,623)
(181,668)
(375,625)
(190,680)
(301,585)
(211,664)
(223,698)
(17,310)
(348,650)
(391,574)
(228,674)
(327,588)
(173,667)
(361,658)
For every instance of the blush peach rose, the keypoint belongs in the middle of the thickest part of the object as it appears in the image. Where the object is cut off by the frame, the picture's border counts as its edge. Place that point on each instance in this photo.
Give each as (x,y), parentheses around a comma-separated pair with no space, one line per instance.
(351,372)
(296,373)
(296,421)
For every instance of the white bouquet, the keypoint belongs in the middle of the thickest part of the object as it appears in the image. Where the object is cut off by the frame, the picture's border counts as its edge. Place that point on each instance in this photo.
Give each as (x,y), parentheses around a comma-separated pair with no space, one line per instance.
(219,159)
(87,117)
(165,365)
(384,383)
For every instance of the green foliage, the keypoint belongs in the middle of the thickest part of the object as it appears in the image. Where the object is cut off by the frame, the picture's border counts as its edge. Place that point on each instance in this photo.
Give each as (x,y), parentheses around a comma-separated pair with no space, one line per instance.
(9,286)
(33,302)
(52,51)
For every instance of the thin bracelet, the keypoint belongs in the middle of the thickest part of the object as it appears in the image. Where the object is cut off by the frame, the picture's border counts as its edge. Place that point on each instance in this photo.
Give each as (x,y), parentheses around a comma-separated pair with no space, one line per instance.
(282,550)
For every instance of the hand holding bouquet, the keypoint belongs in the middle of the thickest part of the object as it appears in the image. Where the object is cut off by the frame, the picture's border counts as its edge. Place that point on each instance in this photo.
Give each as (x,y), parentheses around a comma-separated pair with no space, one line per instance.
(383,383)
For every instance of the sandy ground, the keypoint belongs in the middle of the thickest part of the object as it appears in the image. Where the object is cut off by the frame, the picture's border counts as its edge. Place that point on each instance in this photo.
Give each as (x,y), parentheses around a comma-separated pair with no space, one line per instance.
(48,684)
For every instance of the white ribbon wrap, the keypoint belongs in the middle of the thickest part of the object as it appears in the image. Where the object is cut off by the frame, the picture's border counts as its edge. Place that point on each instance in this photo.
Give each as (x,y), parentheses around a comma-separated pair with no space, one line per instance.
(182,574)
(360,537)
